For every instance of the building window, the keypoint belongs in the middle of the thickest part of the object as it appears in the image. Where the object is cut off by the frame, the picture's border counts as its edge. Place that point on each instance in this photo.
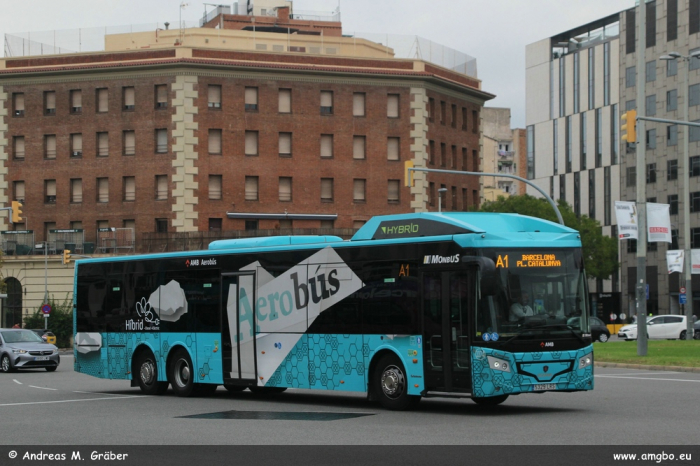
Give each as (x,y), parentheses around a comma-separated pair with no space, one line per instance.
(555,142)
(453,162)
(431,109)
(443,154)
(326,224)
(694,238)
(671,20)
(392,106)
(562,186)
(475,160)
(161,141)
(215,224)
(214,97)
(103,144)
(215,142)
(650,71)
(102,99)
(583,133)
(672,201)
(76,101)
(50,103)
(76,145)
(392,148)
(394,190)
(431,194)
(285,101)
(251,225)
(251,99)
(285,144)
(251,188)
(562,87)
(530,152)
(464,119)
(651,173)
(358,190)
(129,98)
(102,190)
(76,191)
(615,134)
(50,146)
(695,201)
(326,146)
(671,170)
(161,225)
(161,93)
(50,191)
(651,105)
(443,112)
(326,102)
(577,194)
(591,193)
(162,187)
(674,240)
(607,196)
(577,81)
(251,143)
(671,135)
(129,187)
(694,92)
(285,189)
(694,169)
(606,71)
(475,121)
(694,63)
(326,189)
(591,78)
(567,143)
(358,147)
(358,104)
(454,115)
(671,67)
(671,99)
(18,105)
(215,187)
(465,159)
(129,141)
(18,191)
(631,176)
(651,139)
(18,147)
(693,132)
(431,152)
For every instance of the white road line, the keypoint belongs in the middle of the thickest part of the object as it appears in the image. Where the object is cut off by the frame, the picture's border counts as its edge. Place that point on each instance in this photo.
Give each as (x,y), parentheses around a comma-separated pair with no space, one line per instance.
(43,388)
(98,393)
(69,401)
(17,381)
(647,378)
(637,371)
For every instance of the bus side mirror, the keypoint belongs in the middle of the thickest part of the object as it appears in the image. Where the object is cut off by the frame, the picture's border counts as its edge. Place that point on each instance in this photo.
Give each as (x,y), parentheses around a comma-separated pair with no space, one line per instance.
(487,270)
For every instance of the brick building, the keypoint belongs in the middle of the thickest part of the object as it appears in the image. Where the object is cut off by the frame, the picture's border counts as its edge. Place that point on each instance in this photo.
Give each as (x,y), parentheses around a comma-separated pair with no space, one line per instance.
(223,129)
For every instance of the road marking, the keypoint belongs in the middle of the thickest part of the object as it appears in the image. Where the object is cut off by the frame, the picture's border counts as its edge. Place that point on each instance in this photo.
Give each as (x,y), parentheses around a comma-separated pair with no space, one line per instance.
(70,401)
(647,378)
(17,381)
(638,371)
(43,388)
(97,393)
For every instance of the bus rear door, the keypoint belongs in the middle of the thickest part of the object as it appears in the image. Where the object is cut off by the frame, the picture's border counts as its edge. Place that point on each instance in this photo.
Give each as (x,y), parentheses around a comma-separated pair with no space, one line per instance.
(238,328)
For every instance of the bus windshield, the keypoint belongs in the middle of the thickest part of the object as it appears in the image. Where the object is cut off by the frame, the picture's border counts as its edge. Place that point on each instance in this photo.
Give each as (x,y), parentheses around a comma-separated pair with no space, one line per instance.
(536,292)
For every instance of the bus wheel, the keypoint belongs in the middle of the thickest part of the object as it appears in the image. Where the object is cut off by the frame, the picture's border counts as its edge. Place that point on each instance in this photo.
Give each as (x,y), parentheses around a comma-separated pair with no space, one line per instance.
(181,374)
(147,374)
(235,388)
(391,386)
(266,390)
(489,400)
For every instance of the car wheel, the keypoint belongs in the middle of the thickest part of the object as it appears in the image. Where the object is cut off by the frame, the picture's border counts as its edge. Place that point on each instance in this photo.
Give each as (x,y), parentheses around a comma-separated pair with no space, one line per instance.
(266,390)
(181,373)
(391,386)
(696,336)
(602,337)
(489,400)
(683,334)
(51,369)
(146,371)
(5,364)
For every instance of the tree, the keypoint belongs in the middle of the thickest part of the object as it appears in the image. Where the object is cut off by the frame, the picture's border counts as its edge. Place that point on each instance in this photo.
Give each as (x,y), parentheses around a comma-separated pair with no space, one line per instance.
(60,321)
(599,251)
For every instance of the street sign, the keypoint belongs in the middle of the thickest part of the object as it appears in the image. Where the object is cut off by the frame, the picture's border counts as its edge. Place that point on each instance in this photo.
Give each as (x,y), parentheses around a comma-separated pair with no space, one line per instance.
(46,309)
(682,298)
(682,290)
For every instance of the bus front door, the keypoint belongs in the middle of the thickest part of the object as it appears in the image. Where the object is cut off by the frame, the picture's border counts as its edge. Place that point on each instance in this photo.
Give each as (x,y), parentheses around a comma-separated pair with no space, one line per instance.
(238,328)
(447,305)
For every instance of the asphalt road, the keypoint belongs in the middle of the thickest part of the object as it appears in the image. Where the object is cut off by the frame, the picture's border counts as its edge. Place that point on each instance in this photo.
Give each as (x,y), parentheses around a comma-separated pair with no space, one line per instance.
(633,407)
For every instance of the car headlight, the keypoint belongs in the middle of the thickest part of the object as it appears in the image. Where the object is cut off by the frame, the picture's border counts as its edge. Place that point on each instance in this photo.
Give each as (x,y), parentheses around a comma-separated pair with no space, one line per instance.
(19,351)
(585,361)
(498,364)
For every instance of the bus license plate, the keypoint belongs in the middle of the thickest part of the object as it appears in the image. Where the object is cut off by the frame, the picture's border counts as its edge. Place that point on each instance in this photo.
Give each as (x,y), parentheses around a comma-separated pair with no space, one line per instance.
(41,358)
(544,386)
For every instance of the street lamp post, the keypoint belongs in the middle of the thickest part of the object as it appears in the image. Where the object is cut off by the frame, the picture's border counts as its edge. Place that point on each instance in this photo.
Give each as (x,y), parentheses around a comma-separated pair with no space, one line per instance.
(684,191)
(440,191)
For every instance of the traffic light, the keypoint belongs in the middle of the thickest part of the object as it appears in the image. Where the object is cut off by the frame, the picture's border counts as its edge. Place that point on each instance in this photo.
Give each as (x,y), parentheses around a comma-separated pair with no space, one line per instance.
(66,256)
(407,164)
(17,212)
(629,120)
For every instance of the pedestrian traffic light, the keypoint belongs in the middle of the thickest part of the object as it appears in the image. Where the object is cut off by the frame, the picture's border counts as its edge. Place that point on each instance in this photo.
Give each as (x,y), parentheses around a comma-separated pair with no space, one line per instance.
(629,120)
(66,256)
(16,212)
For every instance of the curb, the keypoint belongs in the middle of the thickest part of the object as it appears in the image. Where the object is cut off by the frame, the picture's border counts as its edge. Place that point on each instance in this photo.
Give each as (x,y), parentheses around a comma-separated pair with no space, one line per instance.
(647,367)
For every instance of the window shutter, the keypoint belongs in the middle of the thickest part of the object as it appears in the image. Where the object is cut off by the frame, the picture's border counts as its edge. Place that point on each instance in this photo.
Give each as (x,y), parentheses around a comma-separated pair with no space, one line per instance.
(358,104)
(19,102)
(285,101)
(327,189)
(392,106)
(251,188)
(129,142)
(129,188)
(326,145)
(50,101)
(214,141)
(358,192)
(251,95)
(214,96)
(392,149)
(162,140)
(285,143)
(251,143)
(102,100)
(162,94)
(77,99)
(103,141)
(358,147)
(393,190)
(129,97)
(77,186)
(214,186)
(77,142)
(51,188)
(103,190)
(326,99)
(51,147)
(19,190)
(285,189)
(19,146)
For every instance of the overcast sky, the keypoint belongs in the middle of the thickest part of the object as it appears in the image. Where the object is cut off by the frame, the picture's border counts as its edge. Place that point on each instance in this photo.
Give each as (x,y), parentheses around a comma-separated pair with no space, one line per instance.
(495,32)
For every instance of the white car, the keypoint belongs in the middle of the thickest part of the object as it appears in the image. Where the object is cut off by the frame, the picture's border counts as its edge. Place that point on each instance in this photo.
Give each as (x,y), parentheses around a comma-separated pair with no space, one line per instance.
(668,327)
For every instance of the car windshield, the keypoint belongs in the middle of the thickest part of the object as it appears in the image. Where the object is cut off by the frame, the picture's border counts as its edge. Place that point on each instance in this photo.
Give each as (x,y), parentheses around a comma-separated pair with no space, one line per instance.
(21,336)
(541,291)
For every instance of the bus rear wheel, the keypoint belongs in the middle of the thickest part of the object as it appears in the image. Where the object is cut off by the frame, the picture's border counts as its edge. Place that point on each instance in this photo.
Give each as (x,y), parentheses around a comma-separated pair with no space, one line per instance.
(181,373)
(391,386)
(147,374)
(489,400)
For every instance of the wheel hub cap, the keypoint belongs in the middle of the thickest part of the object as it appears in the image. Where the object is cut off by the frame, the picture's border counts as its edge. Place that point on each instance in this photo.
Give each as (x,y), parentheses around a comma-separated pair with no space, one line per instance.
(392,382)
(147,372)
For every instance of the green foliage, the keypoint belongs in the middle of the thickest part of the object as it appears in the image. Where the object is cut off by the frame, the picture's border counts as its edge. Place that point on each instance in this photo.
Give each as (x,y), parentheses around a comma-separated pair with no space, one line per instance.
(60,321)
(599,252)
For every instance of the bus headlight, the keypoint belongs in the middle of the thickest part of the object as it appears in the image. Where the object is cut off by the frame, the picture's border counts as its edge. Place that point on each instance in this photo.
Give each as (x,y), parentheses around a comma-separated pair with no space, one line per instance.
(498,364)
(585,361)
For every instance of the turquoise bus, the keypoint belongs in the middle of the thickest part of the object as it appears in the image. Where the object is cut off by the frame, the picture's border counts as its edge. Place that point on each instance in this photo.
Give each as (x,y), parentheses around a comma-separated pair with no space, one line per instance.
(415,305)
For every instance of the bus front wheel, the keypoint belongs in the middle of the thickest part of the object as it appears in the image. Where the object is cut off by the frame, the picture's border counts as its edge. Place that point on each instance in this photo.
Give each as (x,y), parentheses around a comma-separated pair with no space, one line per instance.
(181,373)
(489,400)
(391,384)
(147,374)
